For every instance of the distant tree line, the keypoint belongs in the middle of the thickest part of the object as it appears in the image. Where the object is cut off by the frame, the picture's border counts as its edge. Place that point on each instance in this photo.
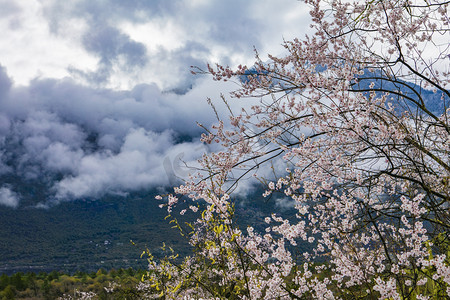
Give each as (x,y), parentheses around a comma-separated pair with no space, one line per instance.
(112,284)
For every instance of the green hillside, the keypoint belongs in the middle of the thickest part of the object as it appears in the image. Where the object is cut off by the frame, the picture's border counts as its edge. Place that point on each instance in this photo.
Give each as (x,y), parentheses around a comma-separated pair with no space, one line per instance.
(83,235)
(88,235)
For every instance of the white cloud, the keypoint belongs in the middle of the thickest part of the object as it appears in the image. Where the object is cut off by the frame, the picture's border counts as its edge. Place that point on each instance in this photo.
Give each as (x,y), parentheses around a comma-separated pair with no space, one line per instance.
(118,46)
(8,197)
(29,50)
(284,203)
(138,165)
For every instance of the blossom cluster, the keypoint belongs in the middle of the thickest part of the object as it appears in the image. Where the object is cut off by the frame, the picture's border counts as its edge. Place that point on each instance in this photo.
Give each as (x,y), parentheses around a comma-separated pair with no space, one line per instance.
(367,164)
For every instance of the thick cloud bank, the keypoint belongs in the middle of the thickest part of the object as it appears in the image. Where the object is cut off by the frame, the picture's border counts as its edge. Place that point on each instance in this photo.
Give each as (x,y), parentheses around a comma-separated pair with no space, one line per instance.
(83,142)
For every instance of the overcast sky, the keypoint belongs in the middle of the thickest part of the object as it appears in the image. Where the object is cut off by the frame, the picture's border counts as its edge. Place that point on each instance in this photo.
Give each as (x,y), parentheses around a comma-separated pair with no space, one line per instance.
(97,98)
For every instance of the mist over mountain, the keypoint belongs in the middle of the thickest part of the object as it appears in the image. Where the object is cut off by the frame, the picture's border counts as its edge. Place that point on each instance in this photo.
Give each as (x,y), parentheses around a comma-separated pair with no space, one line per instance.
(77,141)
